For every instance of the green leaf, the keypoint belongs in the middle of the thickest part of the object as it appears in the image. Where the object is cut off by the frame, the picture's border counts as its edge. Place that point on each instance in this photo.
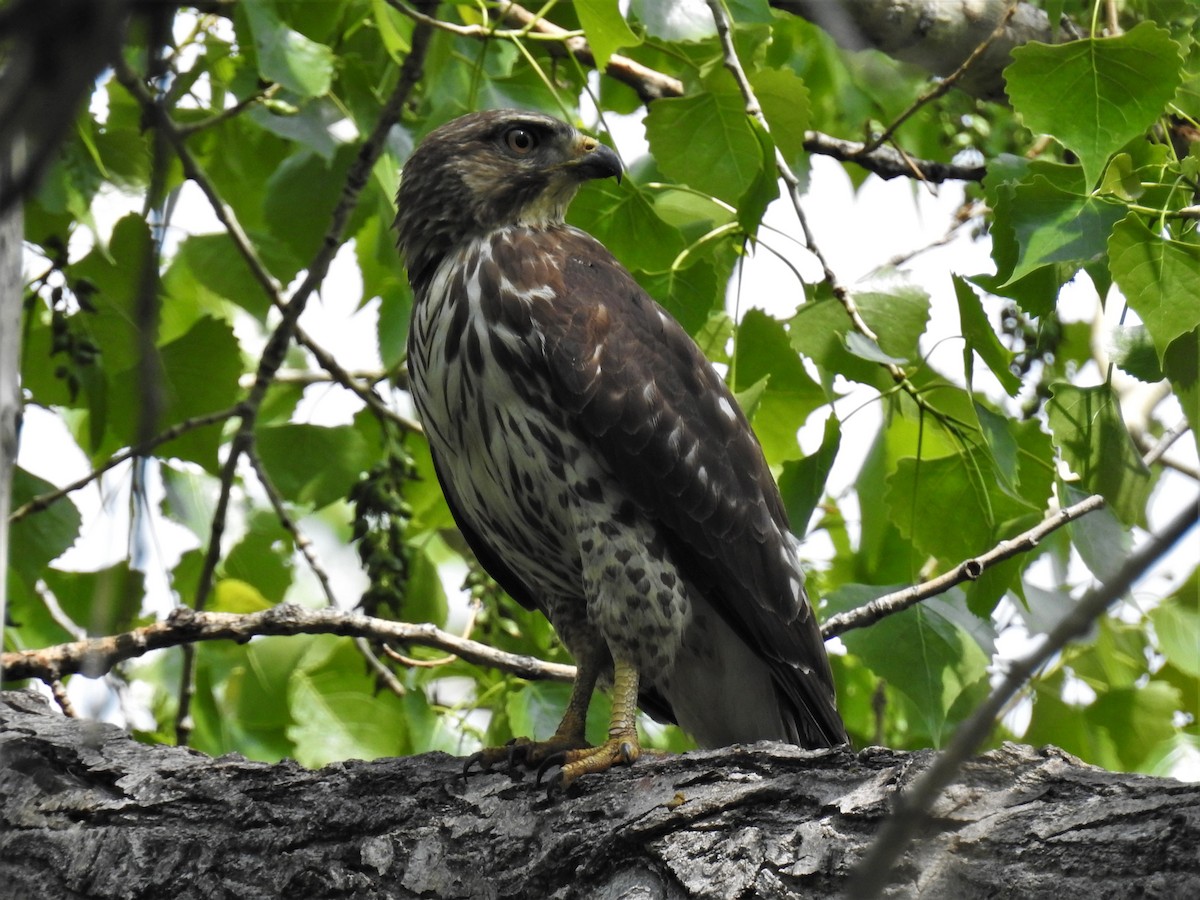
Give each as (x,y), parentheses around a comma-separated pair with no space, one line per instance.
(107,601)
(199,374)
(1052,225)
(605,28)
(820,331)
(1117,87)
(752,205)
(336,713)
(311,464)
(898,317)
(257,695)
(784,100)
(691,295)
(706,141)
(41,537)
(232,595)
(1090,433)
(927,657)
(1181,365)
(763,352)
(865,348)
(621,217)
(287,57)
(1102,541)
(1134,351)
(535,710)
(802,482)
(981,337)
(262,559)
(211,261)
(1178,632)
(1159,279)
(965,523)
(301,195)
(425,597)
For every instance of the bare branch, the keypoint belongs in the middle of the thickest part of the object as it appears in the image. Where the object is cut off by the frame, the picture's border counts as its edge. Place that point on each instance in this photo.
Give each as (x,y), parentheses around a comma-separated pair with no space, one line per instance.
(910,812)
(888,163)
(943,87)
(652,85)
(43,501)
(96,656)
(968,570)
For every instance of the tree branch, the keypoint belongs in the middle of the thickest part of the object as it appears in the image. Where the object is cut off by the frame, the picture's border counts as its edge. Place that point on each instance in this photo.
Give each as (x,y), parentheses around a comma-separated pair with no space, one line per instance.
(44,501)
(968,570)
(910,813)
(936,35)
(652,85)
(95,656)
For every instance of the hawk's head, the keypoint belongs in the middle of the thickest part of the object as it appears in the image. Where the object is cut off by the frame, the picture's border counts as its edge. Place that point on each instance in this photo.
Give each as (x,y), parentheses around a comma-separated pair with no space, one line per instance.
(486,170)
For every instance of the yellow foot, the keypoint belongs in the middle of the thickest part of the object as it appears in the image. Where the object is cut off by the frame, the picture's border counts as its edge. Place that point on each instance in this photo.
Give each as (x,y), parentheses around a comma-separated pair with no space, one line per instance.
(620,750)
(524,752)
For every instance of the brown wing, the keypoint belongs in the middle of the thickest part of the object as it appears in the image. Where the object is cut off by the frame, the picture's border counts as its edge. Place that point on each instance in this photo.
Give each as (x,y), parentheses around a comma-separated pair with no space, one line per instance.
(670,431)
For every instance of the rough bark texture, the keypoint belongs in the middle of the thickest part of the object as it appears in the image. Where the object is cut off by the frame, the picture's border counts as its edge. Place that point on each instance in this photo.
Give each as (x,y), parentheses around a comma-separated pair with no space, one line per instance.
(936,35)
(86,811)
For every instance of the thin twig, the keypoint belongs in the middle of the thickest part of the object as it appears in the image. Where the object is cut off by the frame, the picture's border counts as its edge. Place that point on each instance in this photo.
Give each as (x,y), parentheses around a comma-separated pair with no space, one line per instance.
(944,85)
(650,84)
(441,660)
(911,807)
(299,538)
(184,626)
(968,570)
(59,690)
(190,128)
(44,501)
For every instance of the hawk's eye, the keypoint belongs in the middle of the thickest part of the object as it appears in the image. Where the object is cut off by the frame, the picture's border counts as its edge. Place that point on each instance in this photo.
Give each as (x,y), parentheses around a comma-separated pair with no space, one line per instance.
(520,140)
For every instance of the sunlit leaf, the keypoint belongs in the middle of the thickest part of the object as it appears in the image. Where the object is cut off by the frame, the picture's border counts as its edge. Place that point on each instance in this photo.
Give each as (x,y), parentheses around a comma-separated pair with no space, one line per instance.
(606,29)
(981,337)
(1159,279)
(1091,435)
(706,141)
(1117,87)
(299,64)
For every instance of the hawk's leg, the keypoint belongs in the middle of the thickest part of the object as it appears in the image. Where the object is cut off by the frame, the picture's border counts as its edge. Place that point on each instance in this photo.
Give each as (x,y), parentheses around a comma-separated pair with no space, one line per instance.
(622,746)
(568,737)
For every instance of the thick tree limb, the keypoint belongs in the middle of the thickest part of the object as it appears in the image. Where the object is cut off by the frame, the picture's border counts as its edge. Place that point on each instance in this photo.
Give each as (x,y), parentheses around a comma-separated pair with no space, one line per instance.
(86,811)
(936,35)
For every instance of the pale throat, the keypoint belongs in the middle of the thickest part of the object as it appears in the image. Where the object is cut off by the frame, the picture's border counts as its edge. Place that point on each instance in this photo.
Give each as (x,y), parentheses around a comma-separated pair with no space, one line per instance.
(549,207)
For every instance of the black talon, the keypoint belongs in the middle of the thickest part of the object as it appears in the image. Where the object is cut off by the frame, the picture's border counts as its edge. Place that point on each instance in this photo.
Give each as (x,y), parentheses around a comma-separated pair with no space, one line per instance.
(554,759)
(555,785)
(472,760)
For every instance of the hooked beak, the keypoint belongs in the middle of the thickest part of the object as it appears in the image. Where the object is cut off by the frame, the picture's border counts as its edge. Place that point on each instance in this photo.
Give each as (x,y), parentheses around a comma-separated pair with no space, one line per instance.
(594,160)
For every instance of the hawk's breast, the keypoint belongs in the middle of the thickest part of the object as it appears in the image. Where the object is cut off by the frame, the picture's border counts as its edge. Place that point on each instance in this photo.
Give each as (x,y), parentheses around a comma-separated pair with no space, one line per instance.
(483,398)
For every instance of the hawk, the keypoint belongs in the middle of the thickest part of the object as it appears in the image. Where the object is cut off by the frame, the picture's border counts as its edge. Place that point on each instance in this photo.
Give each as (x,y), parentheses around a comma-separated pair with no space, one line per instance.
(594,460)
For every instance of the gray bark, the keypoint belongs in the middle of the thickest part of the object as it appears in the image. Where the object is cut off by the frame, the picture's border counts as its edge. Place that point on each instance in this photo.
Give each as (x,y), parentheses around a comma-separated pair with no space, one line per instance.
(936,35)
(86,811)
(11,297)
